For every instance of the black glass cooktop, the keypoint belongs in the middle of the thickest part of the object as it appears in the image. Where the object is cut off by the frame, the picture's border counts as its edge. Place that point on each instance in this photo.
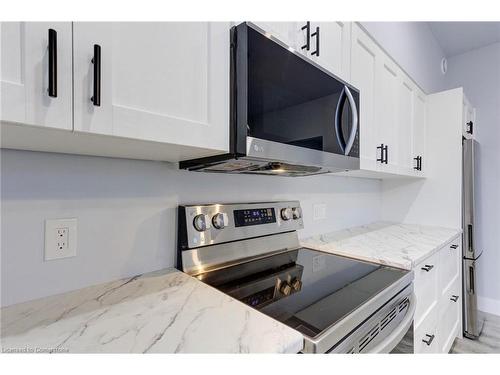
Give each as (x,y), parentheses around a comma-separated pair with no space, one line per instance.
(331,286)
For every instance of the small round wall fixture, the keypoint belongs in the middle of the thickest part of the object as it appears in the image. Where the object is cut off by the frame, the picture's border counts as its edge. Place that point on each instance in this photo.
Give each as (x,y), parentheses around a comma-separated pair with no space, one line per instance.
(444,65)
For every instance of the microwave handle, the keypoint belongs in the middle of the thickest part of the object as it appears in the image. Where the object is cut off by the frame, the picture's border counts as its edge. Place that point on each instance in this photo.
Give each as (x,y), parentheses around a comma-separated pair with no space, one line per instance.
(354,124)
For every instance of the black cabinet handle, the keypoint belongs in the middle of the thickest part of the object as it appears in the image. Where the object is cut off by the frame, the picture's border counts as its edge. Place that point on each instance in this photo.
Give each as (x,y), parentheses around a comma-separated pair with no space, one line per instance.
(307,28)
(52,90)
(454,298)
(470,128)
(381,148)
(427,267)
(96,60)
(429,340)
(316,34)
(418,159)
(386,158)
(453,246)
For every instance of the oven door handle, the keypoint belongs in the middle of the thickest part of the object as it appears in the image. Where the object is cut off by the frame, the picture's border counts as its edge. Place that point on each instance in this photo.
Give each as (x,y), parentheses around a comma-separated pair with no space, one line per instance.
(346,146)
(391,341)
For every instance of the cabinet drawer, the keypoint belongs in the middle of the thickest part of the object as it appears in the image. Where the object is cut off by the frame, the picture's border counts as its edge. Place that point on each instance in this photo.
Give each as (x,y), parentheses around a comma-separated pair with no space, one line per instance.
(449,262)
(426,334)
(426,286)
(449,315)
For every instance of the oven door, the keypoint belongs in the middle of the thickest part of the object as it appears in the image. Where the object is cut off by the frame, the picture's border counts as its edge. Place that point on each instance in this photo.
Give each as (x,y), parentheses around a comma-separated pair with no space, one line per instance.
(284,97)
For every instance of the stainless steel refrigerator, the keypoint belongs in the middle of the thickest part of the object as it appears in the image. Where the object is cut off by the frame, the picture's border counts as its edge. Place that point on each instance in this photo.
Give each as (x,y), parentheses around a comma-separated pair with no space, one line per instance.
(473,322)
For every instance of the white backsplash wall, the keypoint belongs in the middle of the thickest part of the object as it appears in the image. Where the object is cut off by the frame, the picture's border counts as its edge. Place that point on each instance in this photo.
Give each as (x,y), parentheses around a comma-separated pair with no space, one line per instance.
(126,211)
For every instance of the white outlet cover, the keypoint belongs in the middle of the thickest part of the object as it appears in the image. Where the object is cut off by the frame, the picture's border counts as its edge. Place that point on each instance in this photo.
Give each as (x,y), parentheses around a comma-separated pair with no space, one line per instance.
(52,250)
(319,211)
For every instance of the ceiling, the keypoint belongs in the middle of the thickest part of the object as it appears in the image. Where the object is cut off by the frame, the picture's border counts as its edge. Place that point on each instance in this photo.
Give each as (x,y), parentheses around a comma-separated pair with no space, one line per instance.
(459,37)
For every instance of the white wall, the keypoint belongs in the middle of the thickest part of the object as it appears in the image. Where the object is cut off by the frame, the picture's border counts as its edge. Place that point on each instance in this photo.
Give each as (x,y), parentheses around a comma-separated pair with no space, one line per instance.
(478,71)
(414,47)
(126,214)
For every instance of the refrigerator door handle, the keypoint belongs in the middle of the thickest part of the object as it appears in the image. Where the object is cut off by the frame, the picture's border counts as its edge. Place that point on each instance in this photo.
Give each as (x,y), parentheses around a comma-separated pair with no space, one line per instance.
(469,237)
(471,280)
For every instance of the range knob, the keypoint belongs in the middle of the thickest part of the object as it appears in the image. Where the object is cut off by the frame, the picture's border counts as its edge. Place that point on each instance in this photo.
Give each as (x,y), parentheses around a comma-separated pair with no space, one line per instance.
(296,285)
(286,213)
(220,220)
(201,223)
(296,213)
(285,288)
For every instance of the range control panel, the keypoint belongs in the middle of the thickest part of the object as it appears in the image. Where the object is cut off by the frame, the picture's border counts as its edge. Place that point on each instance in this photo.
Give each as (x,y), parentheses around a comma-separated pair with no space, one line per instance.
(211,224)
(254,216)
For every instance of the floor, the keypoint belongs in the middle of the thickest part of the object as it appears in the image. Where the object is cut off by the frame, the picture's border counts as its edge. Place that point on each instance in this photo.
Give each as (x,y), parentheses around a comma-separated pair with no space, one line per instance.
(488,342)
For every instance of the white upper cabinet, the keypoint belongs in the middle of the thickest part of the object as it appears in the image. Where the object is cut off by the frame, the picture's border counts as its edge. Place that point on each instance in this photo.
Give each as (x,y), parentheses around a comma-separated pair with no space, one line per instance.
(386,101)
(364,56)
(406,94)
(164,82)
(392,111)
(24,78)
(328,44)
(418,132)
(469,118)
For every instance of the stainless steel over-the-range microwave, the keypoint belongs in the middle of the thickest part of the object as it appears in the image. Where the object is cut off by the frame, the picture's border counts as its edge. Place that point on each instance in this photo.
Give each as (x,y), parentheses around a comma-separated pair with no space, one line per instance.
(289,116)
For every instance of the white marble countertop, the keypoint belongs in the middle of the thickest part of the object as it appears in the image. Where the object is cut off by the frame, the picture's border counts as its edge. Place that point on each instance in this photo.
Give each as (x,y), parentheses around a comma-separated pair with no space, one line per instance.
(397,245)
(165,311)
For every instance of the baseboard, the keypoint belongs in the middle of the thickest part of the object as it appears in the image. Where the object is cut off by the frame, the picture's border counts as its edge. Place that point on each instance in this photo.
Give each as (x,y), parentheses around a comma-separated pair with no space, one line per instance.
(488,305)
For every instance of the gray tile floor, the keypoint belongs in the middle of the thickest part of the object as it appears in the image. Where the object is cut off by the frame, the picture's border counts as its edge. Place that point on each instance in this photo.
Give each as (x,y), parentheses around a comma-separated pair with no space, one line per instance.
(488,341)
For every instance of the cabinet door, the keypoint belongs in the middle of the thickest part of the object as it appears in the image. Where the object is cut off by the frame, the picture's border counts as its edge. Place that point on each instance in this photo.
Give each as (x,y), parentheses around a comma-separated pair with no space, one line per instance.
(468,117)
(419,128)
(386,100)
(334,47)
(160,81)
(364,56)
(405,110)
(24,74)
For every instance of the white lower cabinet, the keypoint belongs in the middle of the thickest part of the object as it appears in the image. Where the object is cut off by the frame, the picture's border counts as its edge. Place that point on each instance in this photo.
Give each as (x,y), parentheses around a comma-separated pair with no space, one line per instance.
(437,286)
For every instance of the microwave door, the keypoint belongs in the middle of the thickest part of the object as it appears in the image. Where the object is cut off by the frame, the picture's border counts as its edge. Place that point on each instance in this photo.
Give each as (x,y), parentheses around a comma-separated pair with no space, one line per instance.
(346,133)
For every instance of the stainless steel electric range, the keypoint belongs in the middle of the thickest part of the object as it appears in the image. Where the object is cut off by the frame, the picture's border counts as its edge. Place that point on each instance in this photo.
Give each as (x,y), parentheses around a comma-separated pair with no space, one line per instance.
(251,252)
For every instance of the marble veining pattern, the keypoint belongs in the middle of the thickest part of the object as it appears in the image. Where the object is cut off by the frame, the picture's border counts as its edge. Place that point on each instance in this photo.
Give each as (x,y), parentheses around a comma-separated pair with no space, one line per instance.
(397,245)
(160,312)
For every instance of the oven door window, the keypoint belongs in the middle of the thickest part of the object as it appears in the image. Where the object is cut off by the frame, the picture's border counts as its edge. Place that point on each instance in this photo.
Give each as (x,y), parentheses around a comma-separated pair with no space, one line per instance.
(293,102)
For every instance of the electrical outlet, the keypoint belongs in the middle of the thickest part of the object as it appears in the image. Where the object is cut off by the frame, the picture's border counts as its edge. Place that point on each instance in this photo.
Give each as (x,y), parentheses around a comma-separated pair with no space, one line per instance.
(60,238)
(319,211)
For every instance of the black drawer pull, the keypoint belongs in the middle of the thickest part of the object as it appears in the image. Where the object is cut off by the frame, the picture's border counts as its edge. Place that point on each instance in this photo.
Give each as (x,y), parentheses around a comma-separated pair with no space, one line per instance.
(454,298)
(453,246)
(316,34)
(427,267)
(429,340)
(96,60)
(52,90)
(307,28)
(386,150)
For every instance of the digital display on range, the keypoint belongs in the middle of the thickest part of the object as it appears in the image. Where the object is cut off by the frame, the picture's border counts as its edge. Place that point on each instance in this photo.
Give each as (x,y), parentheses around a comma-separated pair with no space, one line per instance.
(254,216)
